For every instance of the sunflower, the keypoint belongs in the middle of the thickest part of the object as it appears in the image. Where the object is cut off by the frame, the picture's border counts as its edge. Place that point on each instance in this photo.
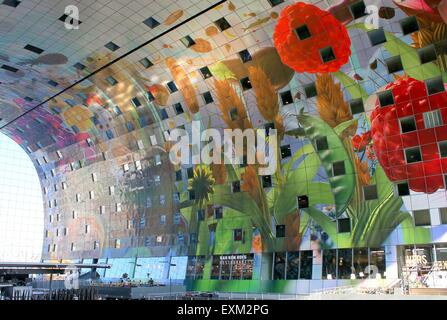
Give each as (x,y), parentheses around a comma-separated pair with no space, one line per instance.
(203,185)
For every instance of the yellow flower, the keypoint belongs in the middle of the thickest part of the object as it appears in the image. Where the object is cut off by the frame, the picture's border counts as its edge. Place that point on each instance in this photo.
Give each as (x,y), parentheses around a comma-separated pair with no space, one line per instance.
(80,117)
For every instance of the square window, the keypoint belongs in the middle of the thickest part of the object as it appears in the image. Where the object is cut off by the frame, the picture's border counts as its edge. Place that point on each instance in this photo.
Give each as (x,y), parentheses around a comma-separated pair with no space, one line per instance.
(285,151)
(200,215)
(146,63)
(136,102)
(338,168)
(413,155)
(206,73)
(402,189)
(164,114)
(245,56)
(280,231)
(275,2)
(236,186)
(112,46)
(303,202)
(245,83)
(432,119)
(409,25)
(233,114)
(385,98)
(151,22)
(427,54)
(421,218)
(327,54)
(172,87)
(11,3)
(111,80)
(178,108)
(53,83)
(394,64)
(192,195)
(286,97)
(443,149)
(356,106)
(303,32)
(344,225)
(310,90)
(443,215)
(376,36)
(358,9)
(434,85)
(208,97)
(188,41)
(222,24)
(407,124)
(190,173)
(321,143)
(150,96)
(370,192)
(266,181)
(237,234)
(218,213)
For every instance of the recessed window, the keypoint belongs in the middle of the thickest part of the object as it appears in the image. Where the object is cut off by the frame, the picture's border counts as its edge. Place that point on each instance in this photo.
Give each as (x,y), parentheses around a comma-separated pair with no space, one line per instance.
(145,62)
(370,192)
(190,173)
(200,215)
(413,155)
(136,102)
(443,215)
(178,108)
(222,24)
(407,124)
(443,149)
(236,186)
(385,98)
(321,143)
(164,114)
(233,114)
(432,119)
(79,66)
(206,73)
(33,49)
(112,46)
(207,97)
(246,84)
(286,97)
(394,64)
(303,32)
(188,41)
(356,106)
(117,243)
(245,56)
(275,2)
(218,213)
(111,80)
(267,181)
(285,151)
(11,3)
(9,68)
(409,25)
(434,85)
(338,168)
(427,53)
(421,218)
(192,195)
(402,189)
(303,202)
(268,127)
(178,175)
(358,9)
(53,83)
(237,234)
(376,36)
(280,231)
(151,22)
(172,87)
(344,225)
(310,90)
(327,54)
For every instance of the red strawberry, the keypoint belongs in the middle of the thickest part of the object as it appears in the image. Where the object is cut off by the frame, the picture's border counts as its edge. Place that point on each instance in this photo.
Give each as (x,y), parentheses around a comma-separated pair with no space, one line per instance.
(411,99)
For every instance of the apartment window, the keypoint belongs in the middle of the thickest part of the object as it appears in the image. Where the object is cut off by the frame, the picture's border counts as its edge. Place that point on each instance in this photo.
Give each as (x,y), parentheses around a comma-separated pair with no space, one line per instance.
(111,80)
(385,98)
(344,225)
(206,73)
(138,165)
(267,181)
(78,197)
(237,235)
(64,185)
(233,114)
(117,243)
(236,186)
(222,24)
(407,124)
(151,22)
(310,90)
(285,151)
(11,3)
(58,217)
(427,54)
(303,32)
(268,127)
(432,119)
(376,36)
(74,215)
(136,102)
(125,167)
(192,195)
(54,247)
(394,64)
(163,220)
(327,54)
(145,62)
(73,246)
(402,189)
(207,97)
(246,84)
(59,154)
(434,85)
(218,213)
(51,218)
(102,209)
(172,87)
(338,168)
(321,143)
(190,173)
(275,2)
(94,177)
(162,199)
(303,202)
(443,149)
(409,25)
(421,218)
(200,215)
(177,218)
(129,224)
(188,41)
(96,245)
(370,192)
(358,10)
(79,66)
(443,215)
(118,207)
(65,232)
(87,229)
(92,195)
(413,155)
(9,68)
(111,190)
(112,46)
(286,97)
(245,56)
(280,231)
(178,108)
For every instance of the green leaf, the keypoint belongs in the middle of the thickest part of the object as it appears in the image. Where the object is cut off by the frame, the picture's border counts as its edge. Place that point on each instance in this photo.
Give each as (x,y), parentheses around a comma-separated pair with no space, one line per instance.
(323,221)
(355,90)
(345,125)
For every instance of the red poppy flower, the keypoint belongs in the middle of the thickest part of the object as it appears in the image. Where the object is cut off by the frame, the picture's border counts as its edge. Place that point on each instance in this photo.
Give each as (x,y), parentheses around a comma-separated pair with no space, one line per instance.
(312,40)
(370,154)
(360,142)
(413,155)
